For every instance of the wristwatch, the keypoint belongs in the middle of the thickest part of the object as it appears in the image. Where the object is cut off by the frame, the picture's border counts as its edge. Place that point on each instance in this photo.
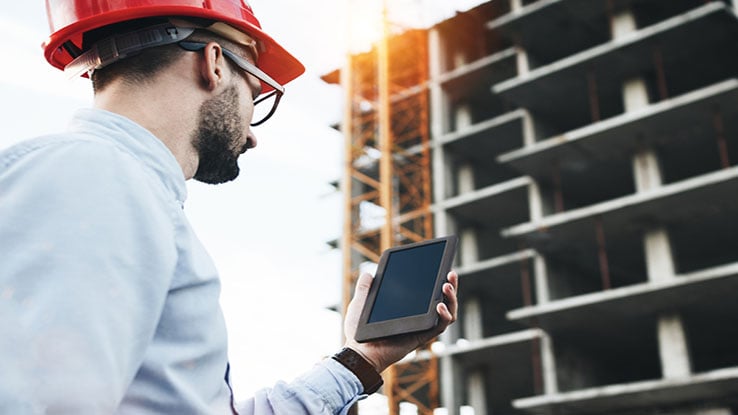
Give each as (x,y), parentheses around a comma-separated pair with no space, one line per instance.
(368,376)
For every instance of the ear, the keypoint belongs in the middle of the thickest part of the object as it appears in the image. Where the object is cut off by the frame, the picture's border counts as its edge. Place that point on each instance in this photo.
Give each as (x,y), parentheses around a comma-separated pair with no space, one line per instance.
(213,66)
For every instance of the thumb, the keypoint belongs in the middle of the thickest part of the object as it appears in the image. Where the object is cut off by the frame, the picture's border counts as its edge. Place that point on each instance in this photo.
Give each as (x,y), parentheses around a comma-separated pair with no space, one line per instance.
(363,283)
(356,305)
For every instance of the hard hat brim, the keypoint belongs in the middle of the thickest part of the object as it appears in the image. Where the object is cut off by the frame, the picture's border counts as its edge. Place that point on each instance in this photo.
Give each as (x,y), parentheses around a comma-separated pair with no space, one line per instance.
(273,59)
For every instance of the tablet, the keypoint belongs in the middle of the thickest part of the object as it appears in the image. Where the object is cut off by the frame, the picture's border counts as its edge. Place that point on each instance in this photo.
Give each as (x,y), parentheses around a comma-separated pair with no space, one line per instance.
(406,289)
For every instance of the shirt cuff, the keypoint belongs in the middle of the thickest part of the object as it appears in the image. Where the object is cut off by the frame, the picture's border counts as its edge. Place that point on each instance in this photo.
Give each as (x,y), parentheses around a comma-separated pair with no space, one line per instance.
(338,386)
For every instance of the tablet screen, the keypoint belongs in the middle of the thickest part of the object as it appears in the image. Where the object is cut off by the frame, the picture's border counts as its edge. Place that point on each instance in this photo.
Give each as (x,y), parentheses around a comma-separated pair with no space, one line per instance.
(407,284)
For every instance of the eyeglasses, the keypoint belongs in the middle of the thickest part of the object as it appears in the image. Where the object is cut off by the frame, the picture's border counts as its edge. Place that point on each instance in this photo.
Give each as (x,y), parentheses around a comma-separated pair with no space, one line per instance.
(269,101)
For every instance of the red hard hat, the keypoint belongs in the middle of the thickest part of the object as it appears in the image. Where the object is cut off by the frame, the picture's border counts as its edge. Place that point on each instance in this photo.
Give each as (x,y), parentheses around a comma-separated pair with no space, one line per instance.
(70,19)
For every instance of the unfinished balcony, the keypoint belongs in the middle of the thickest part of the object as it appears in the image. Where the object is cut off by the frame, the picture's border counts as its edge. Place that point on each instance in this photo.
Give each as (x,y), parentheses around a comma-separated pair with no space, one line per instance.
(586,87)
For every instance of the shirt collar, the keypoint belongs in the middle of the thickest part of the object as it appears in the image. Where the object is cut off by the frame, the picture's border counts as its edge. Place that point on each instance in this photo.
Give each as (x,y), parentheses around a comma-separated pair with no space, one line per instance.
(138,141)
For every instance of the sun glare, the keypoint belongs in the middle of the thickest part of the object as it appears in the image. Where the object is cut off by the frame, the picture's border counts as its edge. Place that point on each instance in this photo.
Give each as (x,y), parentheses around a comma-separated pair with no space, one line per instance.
(364,24)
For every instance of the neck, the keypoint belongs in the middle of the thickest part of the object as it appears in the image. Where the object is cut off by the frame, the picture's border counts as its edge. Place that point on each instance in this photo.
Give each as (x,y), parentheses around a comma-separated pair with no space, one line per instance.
(163,108)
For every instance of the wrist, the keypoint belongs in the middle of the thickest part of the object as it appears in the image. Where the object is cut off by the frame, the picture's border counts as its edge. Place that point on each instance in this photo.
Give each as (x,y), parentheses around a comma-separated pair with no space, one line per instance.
(361,367)
(369,357)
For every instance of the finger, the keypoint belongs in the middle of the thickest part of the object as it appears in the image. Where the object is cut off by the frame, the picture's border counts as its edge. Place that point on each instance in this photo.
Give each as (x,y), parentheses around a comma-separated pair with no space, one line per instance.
(452,301)
(453,279)
(364,282)
(355,306)
(444,313)
(362,287)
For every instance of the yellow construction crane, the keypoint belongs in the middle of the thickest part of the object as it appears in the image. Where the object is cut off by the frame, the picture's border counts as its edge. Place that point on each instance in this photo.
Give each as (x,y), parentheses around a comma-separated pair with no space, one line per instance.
(387,169)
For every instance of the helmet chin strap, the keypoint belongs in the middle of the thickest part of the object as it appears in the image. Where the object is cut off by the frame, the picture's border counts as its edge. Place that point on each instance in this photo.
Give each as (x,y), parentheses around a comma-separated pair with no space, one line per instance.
(115,48)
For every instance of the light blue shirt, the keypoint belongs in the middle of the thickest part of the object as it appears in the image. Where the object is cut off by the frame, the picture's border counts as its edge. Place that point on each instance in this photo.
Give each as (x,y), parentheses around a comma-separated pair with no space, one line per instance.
(108,301)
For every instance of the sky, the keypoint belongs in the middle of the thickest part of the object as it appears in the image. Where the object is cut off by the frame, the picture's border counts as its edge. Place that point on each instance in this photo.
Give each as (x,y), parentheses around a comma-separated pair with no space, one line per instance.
(266,231)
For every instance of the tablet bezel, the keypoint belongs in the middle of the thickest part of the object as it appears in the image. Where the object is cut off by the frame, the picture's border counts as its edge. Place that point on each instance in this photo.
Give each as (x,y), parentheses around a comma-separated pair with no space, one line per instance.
(420,322)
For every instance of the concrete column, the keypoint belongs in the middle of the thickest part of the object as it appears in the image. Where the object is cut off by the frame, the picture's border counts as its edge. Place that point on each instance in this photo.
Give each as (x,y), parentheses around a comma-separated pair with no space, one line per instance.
(440,166)
(472,321)
(635,95)
(623,22)
(465,178)
(522,62)
(535,206)
(468,250)
(541,279)
(659,262)
(535,202)
(435,54)
(646,170)
(516,5)
(441,173)
(462,117)
(548,366)
(672,339)
(438,100)
(673,347)
(459,58)
(529,130)
(452,382)
(475,386)
(540,275)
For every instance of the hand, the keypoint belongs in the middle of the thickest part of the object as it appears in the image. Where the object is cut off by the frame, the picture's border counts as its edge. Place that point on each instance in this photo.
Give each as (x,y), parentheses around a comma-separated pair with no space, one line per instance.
(382,353)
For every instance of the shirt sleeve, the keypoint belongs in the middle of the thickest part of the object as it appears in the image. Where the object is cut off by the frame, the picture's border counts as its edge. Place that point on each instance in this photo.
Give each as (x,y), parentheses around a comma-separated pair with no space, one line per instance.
(85,263)
(329,388)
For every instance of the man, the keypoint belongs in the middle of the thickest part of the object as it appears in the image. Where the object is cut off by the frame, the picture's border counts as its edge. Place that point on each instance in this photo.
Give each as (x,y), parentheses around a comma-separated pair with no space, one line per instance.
(108,302)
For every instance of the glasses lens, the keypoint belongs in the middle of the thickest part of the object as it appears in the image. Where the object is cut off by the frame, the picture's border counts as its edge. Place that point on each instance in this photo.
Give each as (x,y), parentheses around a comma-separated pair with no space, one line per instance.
(264,107)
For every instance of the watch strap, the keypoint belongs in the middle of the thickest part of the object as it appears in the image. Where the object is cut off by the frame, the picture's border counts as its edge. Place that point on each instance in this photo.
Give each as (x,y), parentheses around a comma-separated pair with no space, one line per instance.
(353,361)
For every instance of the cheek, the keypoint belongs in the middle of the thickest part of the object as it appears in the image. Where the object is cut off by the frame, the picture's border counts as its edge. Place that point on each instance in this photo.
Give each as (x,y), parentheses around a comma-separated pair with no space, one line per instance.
(246,105)
(247,113)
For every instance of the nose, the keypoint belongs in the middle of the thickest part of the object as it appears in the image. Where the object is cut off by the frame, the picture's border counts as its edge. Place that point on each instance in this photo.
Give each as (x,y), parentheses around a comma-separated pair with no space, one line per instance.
(250,139)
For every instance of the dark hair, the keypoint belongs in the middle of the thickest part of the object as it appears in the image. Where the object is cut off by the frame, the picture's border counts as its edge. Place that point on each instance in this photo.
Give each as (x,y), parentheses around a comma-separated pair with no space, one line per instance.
(143,66)
(134,69)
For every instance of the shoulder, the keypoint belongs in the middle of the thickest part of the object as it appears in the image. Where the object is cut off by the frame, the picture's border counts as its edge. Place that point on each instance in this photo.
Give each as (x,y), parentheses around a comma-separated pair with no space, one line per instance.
(73,161)
(79,176)
(76,197)
(65,153)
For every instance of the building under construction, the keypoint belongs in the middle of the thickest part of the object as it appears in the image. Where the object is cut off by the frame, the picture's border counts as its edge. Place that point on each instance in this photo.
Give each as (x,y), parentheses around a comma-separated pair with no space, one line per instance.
(586,154)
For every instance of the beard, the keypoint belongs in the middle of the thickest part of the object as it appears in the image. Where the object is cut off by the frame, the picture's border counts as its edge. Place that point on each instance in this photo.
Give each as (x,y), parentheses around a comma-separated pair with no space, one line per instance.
(216,140)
